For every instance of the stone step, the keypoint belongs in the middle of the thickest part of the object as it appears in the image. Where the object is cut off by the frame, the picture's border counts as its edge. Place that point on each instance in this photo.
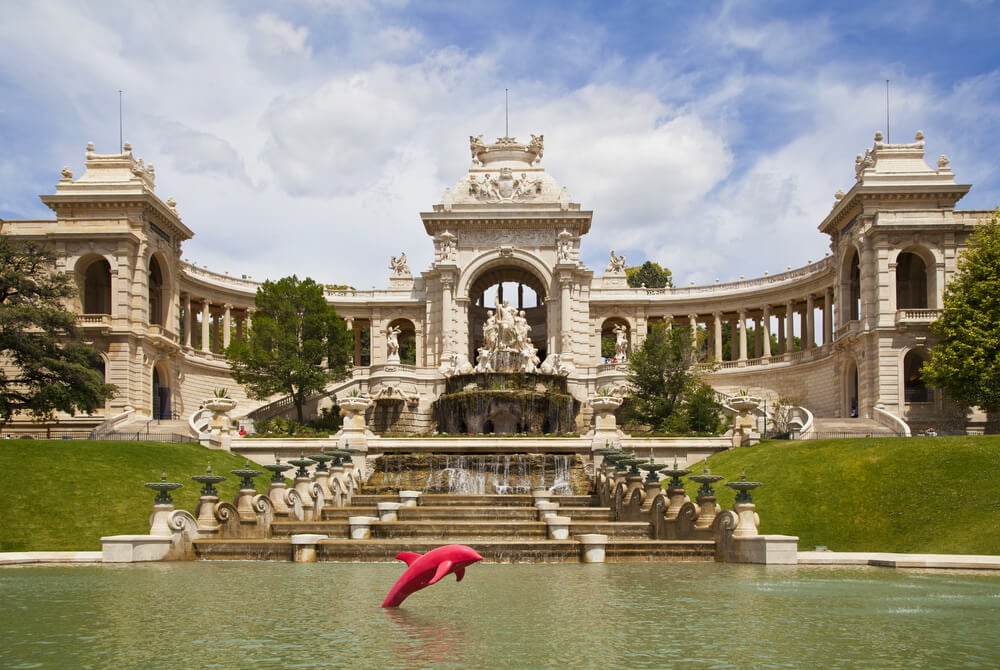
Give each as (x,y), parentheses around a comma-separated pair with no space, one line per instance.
(467,500)
(506,551)
(459,530)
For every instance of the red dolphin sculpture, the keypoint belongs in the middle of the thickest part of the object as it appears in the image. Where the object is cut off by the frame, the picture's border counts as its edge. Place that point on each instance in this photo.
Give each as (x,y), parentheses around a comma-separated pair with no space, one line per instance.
(430,568)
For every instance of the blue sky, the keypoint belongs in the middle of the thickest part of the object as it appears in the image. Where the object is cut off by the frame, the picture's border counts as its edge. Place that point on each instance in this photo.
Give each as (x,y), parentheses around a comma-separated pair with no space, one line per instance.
(306,136)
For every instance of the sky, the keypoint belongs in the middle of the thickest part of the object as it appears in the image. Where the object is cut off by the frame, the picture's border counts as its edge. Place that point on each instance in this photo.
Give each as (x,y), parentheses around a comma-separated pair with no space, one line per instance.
(305,137)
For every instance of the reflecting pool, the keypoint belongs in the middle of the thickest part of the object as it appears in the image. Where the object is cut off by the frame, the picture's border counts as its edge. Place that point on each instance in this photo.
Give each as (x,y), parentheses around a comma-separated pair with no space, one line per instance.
(649,615)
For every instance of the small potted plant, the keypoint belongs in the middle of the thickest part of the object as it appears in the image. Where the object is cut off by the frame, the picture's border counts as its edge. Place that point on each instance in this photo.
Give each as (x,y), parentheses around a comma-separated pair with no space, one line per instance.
(605,400)
(743,401)
(220,401)
(354,402)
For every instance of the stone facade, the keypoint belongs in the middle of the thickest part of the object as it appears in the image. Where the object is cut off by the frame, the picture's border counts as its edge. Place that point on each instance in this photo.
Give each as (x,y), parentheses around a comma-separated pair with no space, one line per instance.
(843,336)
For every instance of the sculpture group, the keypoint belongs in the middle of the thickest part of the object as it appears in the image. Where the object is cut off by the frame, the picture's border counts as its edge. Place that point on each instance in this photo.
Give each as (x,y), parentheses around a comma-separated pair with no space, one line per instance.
(507,343)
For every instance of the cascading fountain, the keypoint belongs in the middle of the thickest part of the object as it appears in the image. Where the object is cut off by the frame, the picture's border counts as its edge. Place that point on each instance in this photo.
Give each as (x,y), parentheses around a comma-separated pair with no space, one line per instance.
(479,474)
(508,391)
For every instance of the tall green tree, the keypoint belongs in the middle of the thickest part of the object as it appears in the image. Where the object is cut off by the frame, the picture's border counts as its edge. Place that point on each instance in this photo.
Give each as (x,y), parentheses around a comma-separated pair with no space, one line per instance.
(965,364)
(45,366)
(650,275)
(296,344)
(660,375)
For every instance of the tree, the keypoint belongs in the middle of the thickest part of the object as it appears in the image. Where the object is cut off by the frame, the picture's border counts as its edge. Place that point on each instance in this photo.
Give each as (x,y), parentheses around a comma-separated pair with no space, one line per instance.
(650,275)
(965,364)
(660,374)
(46,366)
(296,343)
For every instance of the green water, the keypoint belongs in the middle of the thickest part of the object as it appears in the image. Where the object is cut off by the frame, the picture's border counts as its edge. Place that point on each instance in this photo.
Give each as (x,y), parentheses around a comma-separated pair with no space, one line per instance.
(649,615)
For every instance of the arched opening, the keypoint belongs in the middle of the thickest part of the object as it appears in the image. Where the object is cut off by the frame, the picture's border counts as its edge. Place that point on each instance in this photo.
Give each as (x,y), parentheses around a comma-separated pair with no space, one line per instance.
(97,287)
(854,288)
(616,340)
(914,388)
(155,292)
(911,281)
(852,388)
(521,291)
(401,335)
(161,397)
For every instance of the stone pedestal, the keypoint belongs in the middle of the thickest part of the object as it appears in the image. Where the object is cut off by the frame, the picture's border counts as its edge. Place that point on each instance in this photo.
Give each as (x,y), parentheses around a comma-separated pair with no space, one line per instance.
(409,498)
(220,422)
(304,547)
(277,494)
(361,527)
(546,510)
(558,527)
(748,520)
(605,423)
(592,547)
(677,497)
(708,509)
(207,523)
(387,511)
(354,432)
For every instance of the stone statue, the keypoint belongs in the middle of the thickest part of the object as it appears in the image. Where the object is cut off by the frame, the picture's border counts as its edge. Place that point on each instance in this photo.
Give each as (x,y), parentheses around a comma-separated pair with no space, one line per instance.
(617,264)
(621,342)
(564,251)
(392,342)
(521,331)
(490,332)
(455,364)
(537,145)
(476,145)
(506,333)
(398,266)
(447,248)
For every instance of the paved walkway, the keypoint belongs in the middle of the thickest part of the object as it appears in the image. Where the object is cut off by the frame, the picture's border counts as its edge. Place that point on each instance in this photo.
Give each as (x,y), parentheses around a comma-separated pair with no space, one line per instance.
(53,557)
(949,561)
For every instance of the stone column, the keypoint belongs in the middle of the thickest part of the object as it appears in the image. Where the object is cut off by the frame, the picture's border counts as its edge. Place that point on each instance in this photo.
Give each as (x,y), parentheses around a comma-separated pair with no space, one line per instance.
(789,326)
(693,319)
(734,345)
(766,330)
(743,334)
(717,334)
(828,316)
(186,302)
(566,315)
(758,343)
(206,319)
(447,285)
(227,324)
(810,322)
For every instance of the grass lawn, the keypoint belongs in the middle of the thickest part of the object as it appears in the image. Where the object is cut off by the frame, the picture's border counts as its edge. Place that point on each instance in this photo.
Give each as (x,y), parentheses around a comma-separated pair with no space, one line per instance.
(916,495)
(919,494)
(63,495)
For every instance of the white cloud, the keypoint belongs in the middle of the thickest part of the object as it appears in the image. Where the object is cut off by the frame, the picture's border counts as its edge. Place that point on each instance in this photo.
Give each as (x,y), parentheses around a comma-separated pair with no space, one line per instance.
(280,36)
(308,139)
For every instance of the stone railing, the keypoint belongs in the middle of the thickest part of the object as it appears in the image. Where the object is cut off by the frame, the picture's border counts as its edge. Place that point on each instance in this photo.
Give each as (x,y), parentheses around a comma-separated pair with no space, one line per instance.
(916,316)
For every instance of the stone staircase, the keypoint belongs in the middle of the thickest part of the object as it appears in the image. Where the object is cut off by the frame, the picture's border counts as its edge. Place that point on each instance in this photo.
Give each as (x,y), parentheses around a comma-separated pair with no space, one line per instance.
(851,427)
(502,528)
(144,428)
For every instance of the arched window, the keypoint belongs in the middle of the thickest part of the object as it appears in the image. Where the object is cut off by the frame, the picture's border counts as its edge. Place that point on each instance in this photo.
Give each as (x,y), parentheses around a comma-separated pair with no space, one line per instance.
(911,281)
(521,291)
(855,288)
(616,339)
(97,288)
(155,293)
(405,340)
(914,388)
(161,397)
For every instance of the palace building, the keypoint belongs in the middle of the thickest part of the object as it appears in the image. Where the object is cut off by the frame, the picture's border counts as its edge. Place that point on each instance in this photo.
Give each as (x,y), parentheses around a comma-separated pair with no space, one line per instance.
(843,337)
